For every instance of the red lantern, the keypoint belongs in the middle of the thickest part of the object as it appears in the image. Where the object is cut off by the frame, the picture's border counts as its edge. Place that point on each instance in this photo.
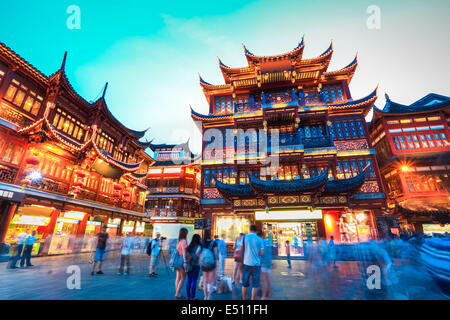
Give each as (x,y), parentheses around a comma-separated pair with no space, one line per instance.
(32,161)
(126,193)
(76,191)
(25,182)
(117,187)
(78,184)
(80,174)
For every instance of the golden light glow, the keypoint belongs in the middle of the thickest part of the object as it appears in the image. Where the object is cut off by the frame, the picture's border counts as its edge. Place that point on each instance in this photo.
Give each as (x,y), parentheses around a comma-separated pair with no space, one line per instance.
(405,168)
(328,222)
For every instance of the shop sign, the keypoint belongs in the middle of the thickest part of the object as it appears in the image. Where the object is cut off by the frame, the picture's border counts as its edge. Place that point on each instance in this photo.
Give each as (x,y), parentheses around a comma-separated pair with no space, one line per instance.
(200,224)
(31,220)
(12,196)
(112,225)
(288,215)
(67,220)
(95,223)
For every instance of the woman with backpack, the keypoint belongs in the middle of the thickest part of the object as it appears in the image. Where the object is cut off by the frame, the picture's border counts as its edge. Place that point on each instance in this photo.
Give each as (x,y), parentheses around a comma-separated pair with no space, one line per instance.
(208,265)
(193,267)
(181,273)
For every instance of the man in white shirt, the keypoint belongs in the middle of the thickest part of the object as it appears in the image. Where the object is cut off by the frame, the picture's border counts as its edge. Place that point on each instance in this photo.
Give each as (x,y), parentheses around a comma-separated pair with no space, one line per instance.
(19,247)
(28,243)
(127,246)
(253,250)
(155,245)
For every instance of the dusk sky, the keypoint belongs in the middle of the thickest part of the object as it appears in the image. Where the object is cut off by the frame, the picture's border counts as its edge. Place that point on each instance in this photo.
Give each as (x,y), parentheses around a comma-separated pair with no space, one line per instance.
(151,52)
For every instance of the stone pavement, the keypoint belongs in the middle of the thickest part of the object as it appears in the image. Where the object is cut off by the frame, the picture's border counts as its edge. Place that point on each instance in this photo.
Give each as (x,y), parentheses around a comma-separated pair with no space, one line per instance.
(47,280)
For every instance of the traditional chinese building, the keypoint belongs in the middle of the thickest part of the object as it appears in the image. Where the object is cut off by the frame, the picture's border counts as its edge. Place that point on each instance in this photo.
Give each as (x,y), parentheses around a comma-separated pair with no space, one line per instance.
(174,189)
(67,165)
(413,152)
(327,182)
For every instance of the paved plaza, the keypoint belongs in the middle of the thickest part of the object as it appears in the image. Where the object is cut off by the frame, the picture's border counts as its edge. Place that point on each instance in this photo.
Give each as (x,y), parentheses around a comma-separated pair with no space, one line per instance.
(47,280)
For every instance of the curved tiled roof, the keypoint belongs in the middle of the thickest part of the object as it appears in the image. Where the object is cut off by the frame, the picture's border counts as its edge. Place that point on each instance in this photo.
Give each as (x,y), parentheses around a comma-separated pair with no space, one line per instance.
(288,186)
(297,51)
(17,60)
(430,102)
(234,190)
(346,185)
(199,116)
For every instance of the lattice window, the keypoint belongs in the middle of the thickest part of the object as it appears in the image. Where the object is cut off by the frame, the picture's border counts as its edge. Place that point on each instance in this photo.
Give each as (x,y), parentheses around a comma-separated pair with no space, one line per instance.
(332,94)
(223,105)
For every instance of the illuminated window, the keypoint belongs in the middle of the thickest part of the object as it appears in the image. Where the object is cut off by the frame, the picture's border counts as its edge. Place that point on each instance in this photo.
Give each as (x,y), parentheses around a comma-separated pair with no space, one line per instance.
(68,124)
(392,122)
(434,118)
(420,119)
(223,105)
(22,97)
(406,121)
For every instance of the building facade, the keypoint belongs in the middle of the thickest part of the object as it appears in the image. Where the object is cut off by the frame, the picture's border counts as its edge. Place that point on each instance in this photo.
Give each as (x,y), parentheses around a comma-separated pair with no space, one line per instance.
(174,189)
(292,110)
(413,152)
(67,166)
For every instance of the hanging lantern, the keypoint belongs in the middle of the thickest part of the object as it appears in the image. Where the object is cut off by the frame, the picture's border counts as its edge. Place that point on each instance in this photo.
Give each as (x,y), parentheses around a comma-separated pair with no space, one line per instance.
(78,184)
(76,191)
(34,161)
(126,193)
(117,187)
(25,182)
(80,174)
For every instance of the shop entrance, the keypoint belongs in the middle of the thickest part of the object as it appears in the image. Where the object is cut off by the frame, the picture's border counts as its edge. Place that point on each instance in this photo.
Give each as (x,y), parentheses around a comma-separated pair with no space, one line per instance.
(297,233)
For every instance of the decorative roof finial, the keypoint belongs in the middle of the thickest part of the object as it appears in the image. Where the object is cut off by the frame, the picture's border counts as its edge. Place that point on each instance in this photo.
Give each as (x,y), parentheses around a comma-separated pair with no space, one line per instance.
(104,90)
(387,96)
(63,64)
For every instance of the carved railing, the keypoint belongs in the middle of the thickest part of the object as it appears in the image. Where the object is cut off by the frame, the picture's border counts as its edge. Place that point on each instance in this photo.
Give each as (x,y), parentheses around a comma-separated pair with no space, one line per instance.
(318,142)
(13,116)
(50,185)
(246,107)
(7,174)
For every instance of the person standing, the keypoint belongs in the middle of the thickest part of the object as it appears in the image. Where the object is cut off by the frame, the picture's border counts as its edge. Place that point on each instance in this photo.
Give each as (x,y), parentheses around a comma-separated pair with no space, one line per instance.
(193,267)
(181,272)
(238,259)
(26,255)
(19,247)
(332,252)
(253,250)
(266,267)
(222,254)
(155,246)
(127,246)
(287,248)
(100,251)
(208,265)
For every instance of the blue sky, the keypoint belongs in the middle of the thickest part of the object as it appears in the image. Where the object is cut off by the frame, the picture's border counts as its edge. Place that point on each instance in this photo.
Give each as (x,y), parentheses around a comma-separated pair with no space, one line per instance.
(151,52)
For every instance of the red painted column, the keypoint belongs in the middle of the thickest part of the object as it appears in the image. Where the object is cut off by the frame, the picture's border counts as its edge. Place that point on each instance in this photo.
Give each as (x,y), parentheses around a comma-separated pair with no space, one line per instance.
(82,226)
(9,214)
(52,223)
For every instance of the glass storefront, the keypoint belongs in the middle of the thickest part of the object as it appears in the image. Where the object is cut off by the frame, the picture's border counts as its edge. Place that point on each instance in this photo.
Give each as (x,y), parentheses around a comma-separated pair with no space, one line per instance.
(231,226)
(297,233)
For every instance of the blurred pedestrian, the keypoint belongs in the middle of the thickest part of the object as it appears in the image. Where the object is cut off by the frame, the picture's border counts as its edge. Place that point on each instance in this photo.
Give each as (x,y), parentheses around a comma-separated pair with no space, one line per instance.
(253,250)
(154,246)
(193,267)
(266,267)
(238,259)
(332,252)
(287,248)
(125,252)
(26,255)
(181,271)
(100,251)
(221,254)
(208,265)
(20,240)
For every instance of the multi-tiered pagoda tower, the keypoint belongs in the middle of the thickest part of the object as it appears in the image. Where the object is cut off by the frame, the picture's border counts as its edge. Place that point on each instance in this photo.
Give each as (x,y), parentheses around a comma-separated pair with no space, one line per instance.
(327,182)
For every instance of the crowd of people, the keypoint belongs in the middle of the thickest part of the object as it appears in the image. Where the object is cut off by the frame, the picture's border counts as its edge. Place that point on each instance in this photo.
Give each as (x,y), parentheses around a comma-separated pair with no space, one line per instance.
(200,263)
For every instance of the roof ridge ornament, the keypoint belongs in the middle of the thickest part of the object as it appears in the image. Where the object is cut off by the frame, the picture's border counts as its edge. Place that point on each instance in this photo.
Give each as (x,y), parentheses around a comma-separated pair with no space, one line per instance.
(63,64)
